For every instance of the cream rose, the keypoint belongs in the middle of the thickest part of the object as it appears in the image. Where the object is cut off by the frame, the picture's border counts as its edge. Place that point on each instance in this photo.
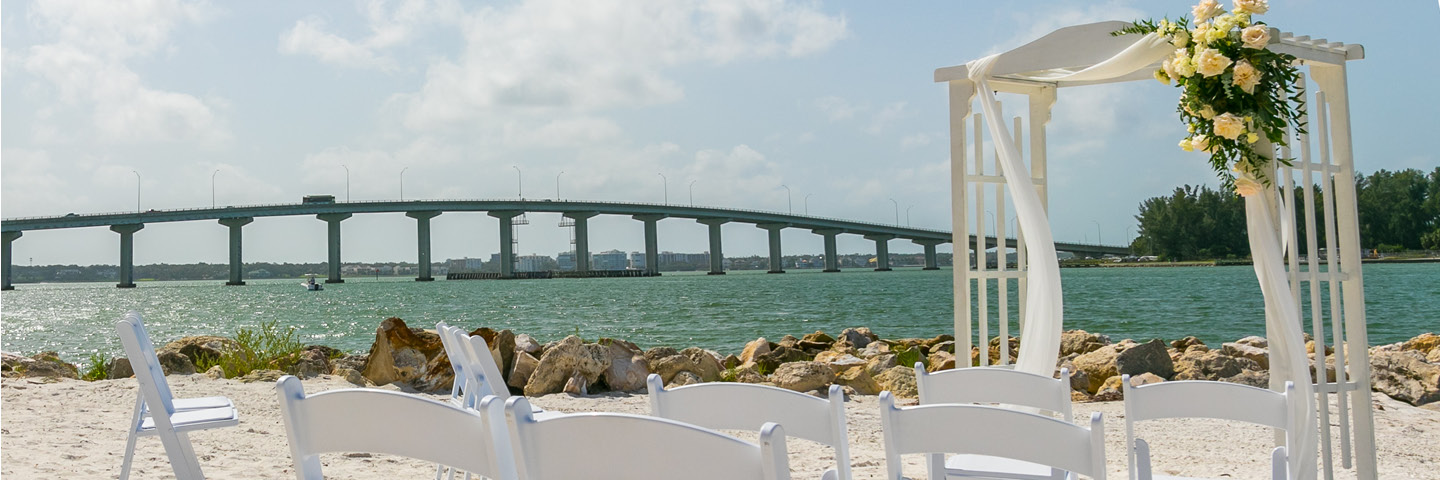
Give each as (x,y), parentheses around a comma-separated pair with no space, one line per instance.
(1255,36)
(1182,64)
(1200,142)
(1201,35)
(1210,62)
(1205,10)
(1246,186)
(1251,137)
(1169,68)
(1207,113)
(1185,145)
(1180,39)
(1229,125)
(1246,76)
(1257,7)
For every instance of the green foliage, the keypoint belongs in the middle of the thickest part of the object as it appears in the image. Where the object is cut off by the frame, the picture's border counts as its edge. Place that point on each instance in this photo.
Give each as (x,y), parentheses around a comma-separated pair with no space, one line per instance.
(906,356)
(730,374)
(763,369)
(1431,241)
(97,367)
(270,347)
(1193,223)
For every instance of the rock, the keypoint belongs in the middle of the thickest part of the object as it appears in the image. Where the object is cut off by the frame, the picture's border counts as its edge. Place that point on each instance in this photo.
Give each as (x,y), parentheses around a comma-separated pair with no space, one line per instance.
(910,356)
(1149,357)
(1080,396)
(1080,381)
(628,368)
(816,341)
(939,339)
(945,346)
(860,380)
(1405,376)
(120,368)
(1260,379)
(350,375)
(262,375)
(900,381)
(754,349)
(780,355)
(502,347)
(215,373)
(845,362)
(1185,343)
(353,362)
(1197,364)
(1110,391)
(1260,355)
(874,349)
(657,353)
(524,367)
(749,375)
(1098,366)
(1425,343)
(403,354)
(788,341)
(527,344)
(563,361)
(312,362)
(1080,342)
(668,367)
(1144,379)
(1434,356)
(46,364)
(730,361)
(576,385)
(202,349)
(707,364)
(941,360)
(879,364)
(175,363)
(1329,369)
(1013,350)
(1258,342)
(683,379)
(856,338)
(1310,348)
(803,376)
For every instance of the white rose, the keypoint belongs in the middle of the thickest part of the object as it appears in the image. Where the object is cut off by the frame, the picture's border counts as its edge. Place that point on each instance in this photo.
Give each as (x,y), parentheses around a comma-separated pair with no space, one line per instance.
(1180,39)
(1182,64)
(1246,186)
(1168,66)
(1255,36)
(1256,7)
(1207,113)
(1229,125)
(1246,76)
(1205,10)
(1201,34)
(1200,142)
(1210,62)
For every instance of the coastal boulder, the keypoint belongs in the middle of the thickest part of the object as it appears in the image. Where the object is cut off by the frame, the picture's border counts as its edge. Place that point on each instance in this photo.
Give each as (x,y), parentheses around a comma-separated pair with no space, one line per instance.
(1149,357)
(754,349)
(1098,366)
(789,341)
(1260,342)
(1254,378)
(803,376)
(860,380)
(502,347)
(527,344)
(880,363)
(707,364)
(577,385)
(46,364)
(900,381)
(856,337)
(683,379)
(562,361)
(402,354)
(312,361)
(780,355)
(175,363)
(1080,342)
(1012,349)
(202,349)
(749,375)
(1260,355)
(874,349)
(1425,343)
(120,368)
(1405,376)
(524,366)
(941,360)
(669,366)
(816,341)
(1184,344)
(262,375)
(628,368)
(1200,364)
(840,362)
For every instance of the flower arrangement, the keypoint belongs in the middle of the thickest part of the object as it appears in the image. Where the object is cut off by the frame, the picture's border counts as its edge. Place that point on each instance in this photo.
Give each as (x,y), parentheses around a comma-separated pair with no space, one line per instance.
(1234,90)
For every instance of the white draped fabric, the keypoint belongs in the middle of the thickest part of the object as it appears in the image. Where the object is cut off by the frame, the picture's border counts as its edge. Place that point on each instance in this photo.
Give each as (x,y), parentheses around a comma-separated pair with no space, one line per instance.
(1044,307)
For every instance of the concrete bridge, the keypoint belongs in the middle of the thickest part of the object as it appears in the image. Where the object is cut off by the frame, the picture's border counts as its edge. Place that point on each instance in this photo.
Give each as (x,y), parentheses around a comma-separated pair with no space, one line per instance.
(505,211)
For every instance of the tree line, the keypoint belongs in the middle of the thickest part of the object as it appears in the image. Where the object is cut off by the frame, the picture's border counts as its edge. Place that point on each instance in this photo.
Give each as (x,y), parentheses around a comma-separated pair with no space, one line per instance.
(1398,211)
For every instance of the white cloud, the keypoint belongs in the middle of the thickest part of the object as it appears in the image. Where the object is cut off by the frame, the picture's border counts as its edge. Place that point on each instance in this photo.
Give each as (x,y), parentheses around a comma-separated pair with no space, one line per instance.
(836,108)
(87,66)
(308,38)
(916,140)
(1049,19)
(892,112)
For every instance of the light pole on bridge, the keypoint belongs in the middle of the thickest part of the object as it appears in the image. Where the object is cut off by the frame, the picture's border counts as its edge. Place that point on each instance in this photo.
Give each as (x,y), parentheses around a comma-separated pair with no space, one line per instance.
(347,182)
(557,184)
(907,216)
(402,183)
(789,205)
(1128,241)
(807,204)
(137,191)
(519,183)
(665,181)
(692,192)
(897,212)
(212,187)
(1099,240)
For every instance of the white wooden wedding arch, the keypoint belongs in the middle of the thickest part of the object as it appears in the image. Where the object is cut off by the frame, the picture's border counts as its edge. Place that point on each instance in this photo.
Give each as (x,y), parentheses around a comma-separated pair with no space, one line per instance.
(1301,289)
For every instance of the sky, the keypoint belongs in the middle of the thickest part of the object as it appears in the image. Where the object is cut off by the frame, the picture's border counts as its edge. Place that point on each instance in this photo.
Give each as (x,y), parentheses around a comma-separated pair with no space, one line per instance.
(183,103)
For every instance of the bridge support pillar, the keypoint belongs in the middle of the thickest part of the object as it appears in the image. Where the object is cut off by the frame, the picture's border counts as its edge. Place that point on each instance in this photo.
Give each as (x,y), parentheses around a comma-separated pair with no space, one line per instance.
(652,244)
(507,243)
(332,221)
(882,251)
(9,237)
(236,267)
(127,252)
(582,239)
(930,262)
(832,260)
(422,243)
(717,259)
(777,265)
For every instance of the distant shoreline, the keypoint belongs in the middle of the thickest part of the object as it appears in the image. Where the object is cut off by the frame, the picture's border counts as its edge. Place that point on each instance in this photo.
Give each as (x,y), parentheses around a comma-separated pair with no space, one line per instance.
(1225,263)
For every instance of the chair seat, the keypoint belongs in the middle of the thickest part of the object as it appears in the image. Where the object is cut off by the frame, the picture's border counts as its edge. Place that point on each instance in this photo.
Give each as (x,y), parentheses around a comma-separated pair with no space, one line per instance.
(189,420)
(199,403)
(985,466)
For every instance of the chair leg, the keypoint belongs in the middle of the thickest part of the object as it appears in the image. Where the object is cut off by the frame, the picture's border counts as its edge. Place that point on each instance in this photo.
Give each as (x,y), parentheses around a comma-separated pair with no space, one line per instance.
(190,454)
(135,420)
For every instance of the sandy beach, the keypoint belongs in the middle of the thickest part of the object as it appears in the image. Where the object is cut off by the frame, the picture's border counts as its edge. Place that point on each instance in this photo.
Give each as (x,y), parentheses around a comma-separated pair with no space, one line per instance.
(76,429)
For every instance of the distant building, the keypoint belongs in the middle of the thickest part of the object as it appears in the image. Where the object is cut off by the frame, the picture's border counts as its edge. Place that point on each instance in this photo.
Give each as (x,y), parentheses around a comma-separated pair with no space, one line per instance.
(637,260)
(609,260)
(464,265)
(565,261)
(535,263)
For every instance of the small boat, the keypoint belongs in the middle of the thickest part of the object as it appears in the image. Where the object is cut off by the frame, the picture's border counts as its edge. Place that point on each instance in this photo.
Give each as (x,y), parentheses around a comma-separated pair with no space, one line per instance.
(311,285)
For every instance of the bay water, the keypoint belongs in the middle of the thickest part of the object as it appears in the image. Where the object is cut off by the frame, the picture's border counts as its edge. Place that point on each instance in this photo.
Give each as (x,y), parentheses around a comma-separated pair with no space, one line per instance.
(1216,304)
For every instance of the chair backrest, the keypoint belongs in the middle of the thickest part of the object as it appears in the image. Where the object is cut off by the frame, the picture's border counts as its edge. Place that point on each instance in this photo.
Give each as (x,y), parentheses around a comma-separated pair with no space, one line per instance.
(745,406)
(484,374)
(995,385)
(623,446)
(956,428)
(345,421)
(457,360)
(1206,399)
(146,365)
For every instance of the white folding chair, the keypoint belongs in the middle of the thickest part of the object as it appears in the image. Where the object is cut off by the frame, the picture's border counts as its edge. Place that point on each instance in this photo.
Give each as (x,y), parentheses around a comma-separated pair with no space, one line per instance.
(744,406)
(158,413)
(1205,399)
(456,356)
(481,379)
(619,446)
(991,431)
(1006,387)
(433,431)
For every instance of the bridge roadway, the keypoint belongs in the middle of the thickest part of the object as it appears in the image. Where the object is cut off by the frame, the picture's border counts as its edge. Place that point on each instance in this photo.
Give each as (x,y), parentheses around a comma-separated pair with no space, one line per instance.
(505,211)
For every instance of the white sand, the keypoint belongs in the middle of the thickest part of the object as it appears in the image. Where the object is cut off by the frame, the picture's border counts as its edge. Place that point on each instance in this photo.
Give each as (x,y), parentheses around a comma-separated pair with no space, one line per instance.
(75,429)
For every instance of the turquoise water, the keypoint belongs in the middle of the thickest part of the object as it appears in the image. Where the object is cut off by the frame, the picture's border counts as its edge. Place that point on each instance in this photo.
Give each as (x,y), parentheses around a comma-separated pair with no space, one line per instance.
(718,312)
